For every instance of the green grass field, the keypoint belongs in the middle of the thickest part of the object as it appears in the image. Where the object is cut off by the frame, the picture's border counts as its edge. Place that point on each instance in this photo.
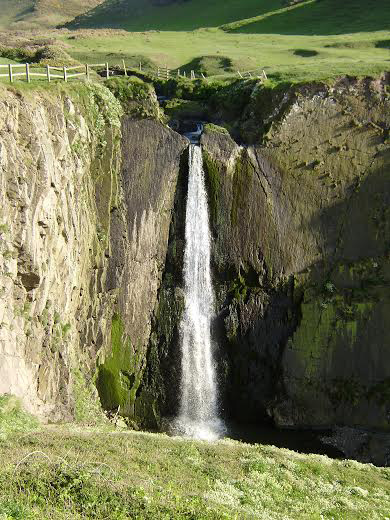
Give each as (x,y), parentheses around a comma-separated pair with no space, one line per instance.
(280,55)
(311,40)
(79,472)
(63,473)
(322,17)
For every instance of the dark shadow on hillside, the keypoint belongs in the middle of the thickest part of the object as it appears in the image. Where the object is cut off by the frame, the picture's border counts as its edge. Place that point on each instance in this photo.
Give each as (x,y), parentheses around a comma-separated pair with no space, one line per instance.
(325,17)
(209,65)
(170,15)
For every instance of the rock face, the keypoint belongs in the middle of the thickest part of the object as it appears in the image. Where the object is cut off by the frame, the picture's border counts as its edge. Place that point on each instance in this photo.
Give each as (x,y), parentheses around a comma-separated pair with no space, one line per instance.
(54,223)
(302,258)
(92,223)
(84,226)
(151,156)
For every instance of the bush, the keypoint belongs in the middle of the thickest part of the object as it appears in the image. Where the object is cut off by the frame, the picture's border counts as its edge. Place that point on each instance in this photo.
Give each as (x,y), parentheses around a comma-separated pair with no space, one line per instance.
(136,97)
(13,418)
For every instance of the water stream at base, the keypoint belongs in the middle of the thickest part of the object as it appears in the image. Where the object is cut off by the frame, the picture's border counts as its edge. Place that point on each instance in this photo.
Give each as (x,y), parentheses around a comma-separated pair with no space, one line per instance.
(198,414)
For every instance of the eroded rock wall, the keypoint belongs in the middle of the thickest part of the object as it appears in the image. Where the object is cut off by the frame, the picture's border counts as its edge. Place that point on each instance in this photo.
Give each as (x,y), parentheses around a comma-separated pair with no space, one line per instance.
(86,205)
(301,252)
(59,162)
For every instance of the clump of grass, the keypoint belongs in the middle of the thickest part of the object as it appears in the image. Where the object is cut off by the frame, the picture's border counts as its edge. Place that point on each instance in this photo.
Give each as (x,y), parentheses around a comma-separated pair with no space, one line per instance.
(137,98)
(13,419)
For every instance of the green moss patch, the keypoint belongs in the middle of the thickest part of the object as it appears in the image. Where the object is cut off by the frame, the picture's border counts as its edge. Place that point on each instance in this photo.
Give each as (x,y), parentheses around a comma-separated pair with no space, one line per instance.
(119,376)
(242,180)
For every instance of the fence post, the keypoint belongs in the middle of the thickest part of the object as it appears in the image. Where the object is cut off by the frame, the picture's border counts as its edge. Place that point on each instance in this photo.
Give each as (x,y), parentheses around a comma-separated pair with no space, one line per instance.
(140,66)
(87,71)
(168,74)
(158,72)
(107,71)
(48,73)
(184,74)
(192,74)
(28,72)
(264,74)
(124,67)
(178,72)
(11,78)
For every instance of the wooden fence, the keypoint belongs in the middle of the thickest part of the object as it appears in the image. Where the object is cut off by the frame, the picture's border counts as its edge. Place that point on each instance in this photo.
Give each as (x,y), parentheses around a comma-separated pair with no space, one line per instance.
(165,74)
(252,74)
(49,72)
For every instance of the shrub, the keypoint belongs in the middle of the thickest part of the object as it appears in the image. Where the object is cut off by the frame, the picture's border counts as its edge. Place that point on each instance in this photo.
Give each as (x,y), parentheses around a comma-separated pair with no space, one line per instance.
(13,418)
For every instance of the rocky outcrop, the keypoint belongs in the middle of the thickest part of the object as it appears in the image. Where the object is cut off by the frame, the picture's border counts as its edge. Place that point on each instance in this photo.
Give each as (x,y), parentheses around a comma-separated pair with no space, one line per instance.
(301,256)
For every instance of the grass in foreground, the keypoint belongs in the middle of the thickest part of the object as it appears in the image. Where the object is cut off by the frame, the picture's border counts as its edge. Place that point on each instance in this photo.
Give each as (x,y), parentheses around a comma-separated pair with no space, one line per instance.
(63,473)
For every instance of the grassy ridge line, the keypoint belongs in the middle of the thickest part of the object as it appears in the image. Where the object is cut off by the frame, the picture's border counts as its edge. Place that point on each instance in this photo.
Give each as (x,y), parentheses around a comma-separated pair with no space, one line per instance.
(325,17)
(241,23)
(261,16)
(65,473)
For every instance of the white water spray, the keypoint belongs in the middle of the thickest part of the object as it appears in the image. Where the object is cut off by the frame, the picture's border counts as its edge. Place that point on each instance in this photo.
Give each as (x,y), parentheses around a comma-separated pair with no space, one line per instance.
(198,415)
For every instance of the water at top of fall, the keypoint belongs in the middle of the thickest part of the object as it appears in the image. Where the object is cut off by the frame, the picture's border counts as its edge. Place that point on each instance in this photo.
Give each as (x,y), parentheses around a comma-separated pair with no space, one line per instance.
(198,414)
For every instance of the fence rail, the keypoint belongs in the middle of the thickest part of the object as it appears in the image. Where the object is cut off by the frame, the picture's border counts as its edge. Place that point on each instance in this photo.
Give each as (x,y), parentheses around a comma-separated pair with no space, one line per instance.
(66,73)
(165,73)
(51,72)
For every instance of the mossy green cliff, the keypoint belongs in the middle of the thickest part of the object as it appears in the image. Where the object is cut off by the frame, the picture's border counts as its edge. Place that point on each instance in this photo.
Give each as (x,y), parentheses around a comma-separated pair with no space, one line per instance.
(301,253)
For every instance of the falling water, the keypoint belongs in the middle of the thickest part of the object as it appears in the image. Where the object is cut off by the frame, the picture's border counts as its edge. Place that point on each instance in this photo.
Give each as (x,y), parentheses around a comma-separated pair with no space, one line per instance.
(198,414)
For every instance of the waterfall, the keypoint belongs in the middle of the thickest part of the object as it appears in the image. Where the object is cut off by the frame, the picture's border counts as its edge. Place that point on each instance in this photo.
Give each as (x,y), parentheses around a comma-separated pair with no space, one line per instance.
(198,414)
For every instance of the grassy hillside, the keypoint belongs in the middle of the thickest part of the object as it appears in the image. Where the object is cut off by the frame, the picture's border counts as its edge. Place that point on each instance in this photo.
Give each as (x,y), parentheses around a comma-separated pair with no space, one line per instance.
(26,14)
(13,11)
(321,17)
(298,58)
(253,16)
(68,474)
(311,39)
(140,15)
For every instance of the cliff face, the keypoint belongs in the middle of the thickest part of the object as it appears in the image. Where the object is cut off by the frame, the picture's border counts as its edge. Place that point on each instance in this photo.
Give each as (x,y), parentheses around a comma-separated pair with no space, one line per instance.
(301,254)
(84,227)
(58,166)
(92,238)
(151,156)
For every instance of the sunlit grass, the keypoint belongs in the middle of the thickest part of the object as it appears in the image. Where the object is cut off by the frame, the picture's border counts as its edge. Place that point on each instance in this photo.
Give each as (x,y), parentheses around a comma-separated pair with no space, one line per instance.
(66,473)
(336,55)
